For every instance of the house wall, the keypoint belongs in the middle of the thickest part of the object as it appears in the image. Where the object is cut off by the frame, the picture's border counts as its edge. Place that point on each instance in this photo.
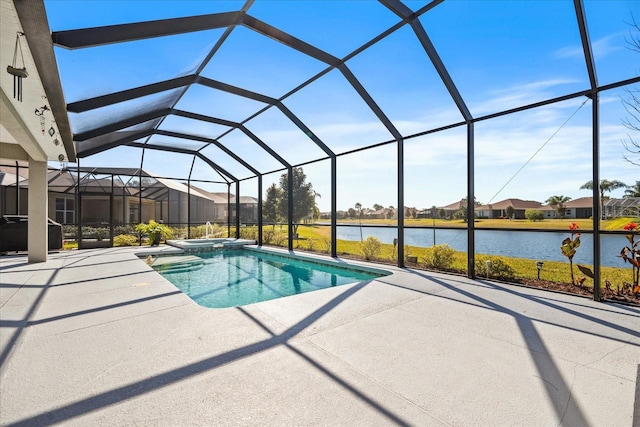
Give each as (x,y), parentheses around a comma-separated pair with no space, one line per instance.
(202,210)
(570,213)
(172,210)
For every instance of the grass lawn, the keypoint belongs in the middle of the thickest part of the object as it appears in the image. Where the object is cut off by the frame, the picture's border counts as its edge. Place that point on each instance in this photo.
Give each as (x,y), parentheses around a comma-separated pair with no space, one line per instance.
(314,237)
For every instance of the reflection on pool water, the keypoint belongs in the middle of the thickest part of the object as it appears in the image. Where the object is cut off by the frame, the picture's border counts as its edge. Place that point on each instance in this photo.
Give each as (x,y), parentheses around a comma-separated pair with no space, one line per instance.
(234,277)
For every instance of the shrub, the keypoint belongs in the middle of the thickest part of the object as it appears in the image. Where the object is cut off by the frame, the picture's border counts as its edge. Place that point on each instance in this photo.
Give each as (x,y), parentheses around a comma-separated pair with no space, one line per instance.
(279,238)
(460,214)
(326,245)
(124,240)
(407,250)
(267,236)
(123,229)
(179,232)
(198,231)
(370,248)
(534,215)
(311,245)
(408,256)
(70,231)
(249,233)
(219,231)
(88,232)
(101,233)
(440,257)
(499,269)
(155,231)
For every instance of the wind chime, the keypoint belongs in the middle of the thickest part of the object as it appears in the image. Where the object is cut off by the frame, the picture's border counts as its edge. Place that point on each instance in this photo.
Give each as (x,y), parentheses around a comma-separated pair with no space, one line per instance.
(40,113)
(16,71)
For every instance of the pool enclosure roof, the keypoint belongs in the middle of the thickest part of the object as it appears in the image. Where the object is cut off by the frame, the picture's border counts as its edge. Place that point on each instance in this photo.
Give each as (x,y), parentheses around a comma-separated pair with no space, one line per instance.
(254,87)
(113,180)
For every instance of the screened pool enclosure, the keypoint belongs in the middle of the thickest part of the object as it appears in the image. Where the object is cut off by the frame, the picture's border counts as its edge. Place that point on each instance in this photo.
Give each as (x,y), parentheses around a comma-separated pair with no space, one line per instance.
(414,104)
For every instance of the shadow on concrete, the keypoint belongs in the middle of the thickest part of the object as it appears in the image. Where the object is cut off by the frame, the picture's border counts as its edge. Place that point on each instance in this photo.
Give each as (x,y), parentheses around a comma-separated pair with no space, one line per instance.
(20,324)
(555,385)
(357,393)
(16,323)
(114,396)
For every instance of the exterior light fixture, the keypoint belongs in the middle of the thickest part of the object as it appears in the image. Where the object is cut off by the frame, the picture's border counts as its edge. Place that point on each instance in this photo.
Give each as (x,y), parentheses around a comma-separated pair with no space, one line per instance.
(539,265)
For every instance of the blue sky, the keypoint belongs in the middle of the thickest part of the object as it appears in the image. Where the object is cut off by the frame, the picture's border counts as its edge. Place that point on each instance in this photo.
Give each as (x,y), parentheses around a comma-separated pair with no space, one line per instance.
(500,54)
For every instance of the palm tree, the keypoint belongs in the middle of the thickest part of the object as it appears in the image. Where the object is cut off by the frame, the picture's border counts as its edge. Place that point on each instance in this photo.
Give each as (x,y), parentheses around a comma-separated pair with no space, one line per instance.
(358,207)
(605,186)
(632,190)
(558,202)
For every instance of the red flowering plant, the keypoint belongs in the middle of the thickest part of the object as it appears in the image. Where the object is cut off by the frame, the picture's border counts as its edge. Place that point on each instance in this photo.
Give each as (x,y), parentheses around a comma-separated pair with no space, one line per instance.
(631,254)
(570,245)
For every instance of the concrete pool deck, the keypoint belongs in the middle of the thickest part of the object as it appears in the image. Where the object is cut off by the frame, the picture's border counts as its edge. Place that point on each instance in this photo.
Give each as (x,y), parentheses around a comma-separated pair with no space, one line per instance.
(96,337)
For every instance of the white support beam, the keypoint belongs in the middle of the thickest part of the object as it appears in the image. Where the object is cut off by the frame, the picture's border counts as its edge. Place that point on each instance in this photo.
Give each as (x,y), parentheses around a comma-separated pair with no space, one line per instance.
(13,152)
(38,232)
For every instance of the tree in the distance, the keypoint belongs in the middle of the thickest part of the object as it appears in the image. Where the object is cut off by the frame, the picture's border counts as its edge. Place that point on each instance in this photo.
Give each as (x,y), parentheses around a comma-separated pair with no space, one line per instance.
(303,197)
(606,186)
(510,211)
(632,190)
(270,204)
(558,202)
(632,104)
(358,207)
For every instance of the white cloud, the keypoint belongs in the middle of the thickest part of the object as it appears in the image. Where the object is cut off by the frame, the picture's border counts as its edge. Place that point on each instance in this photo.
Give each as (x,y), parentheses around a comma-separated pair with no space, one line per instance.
(519,94)
(600,47)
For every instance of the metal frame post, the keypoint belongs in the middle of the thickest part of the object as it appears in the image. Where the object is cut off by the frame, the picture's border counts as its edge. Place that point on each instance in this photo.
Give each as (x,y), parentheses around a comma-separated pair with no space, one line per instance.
(471,232)
(400,190)
(17,188)
(228,208)
(111,212)
(595,125)
(78,207)
(189,208)
(237,209)
(260,210)
(290,207)
(595,128)
(334,206)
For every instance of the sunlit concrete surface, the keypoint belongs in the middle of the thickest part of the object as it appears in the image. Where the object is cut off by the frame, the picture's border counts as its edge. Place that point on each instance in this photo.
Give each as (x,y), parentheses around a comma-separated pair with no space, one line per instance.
(96,337)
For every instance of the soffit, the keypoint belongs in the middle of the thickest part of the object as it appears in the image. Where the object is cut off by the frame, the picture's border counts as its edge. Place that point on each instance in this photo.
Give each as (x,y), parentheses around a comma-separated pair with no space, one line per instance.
(20,124)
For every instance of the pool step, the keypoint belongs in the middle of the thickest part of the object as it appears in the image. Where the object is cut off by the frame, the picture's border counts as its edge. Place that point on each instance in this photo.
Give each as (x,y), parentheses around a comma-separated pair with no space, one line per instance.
(177,264)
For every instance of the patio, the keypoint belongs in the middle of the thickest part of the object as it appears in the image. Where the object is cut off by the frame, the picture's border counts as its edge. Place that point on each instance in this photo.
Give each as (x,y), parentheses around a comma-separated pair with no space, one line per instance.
(96,337)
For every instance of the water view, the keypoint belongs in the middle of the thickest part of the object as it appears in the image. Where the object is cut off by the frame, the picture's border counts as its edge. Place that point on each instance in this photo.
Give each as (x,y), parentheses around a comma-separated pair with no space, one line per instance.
(543,246)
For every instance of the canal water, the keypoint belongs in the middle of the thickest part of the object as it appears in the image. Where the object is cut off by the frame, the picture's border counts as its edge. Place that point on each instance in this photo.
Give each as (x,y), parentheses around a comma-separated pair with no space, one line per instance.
(542,246)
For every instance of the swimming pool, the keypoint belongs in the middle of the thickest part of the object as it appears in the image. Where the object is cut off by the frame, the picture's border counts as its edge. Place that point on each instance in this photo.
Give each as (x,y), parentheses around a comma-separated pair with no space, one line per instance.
(235,277)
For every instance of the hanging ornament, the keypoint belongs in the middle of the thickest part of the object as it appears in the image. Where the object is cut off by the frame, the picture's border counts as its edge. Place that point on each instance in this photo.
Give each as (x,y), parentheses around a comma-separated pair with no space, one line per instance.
(18,72)
(40,113)
(52,131)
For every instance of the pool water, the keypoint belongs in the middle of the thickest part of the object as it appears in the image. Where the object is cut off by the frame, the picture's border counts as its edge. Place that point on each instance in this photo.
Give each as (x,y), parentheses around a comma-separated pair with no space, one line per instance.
(230,278)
